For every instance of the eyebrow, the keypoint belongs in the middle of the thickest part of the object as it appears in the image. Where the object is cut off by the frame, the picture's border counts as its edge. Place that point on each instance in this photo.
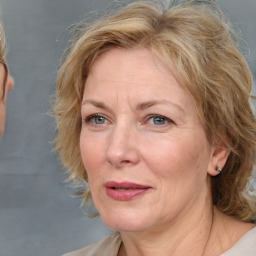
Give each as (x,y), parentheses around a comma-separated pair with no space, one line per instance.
(140,107)
(97,104)
(148,104)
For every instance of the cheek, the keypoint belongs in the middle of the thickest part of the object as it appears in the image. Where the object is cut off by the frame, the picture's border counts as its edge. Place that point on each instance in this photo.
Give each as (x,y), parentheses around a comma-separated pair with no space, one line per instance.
(169,155)
(182,171)
(92,153)
(178,159)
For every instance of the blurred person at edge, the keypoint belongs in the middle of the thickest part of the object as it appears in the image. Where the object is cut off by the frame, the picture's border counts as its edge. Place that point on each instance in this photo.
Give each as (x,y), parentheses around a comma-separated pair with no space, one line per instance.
(6,81)
(153,112)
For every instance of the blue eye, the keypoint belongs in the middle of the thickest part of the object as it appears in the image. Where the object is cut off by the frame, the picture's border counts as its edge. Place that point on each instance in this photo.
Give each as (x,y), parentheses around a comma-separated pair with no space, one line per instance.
(159,120)
(96,119)
(99,120)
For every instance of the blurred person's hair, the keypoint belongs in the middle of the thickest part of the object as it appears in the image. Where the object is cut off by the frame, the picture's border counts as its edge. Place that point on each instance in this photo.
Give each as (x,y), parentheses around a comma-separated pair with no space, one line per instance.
(3,62)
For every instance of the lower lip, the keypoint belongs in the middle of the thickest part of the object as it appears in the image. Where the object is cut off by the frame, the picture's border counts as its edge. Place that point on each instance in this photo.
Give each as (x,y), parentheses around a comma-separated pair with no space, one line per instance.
(126,195)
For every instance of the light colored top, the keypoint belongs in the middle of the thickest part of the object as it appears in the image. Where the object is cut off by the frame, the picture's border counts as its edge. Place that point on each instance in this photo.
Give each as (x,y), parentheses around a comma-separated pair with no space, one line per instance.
(110,246)
(246,245)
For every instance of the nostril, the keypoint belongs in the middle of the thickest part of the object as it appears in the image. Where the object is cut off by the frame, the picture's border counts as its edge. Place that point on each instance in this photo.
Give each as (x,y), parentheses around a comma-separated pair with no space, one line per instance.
(125,161)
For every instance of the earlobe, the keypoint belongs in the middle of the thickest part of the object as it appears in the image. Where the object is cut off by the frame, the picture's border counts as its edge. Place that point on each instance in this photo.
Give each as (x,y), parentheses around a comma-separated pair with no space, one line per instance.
(218,160)
(10,83)
(218,169)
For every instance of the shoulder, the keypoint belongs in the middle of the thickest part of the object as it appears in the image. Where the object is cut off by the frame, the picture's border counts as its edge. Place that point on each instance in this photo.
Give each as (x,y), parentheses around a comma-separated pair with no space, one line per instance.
(108,246)
(245,246)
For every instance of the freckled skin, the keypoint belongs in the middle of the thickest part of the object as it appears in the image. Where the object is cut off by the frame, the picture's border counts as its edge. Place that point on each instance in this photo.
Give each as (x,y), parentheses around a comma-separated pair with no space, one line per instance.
(172,158)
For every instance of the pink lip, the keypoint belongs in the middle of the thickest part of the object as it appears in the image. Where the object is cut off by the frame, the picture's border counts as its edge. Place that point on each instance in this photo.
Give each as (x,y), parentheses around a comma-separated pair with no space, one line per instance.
(131,190)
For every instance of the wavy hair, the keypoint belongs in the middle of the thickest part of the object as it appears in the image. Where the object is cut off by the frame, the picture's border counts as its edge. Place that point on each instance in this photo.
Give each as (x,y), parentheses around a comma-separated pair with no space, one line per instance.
(200,42)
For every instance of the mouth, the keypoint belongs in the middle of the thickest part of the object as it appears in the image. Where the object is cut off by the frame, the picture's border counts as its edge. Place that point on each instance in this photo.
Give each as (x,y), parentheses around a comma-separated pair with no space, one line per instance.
(125,191)
(121,189)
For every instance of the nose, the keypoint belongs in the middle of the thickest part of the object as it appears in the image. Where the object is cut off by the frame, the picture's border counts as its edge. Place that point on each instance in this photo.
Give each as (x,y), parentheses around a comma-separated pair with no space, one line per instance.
(122,149)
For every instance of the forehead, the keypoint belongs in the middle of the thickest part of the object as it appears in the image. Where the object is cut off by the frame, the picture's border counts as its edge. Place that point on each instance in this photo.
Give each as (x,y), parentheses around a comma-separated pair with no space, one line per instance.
(130,67)
(141,59)
(136,75)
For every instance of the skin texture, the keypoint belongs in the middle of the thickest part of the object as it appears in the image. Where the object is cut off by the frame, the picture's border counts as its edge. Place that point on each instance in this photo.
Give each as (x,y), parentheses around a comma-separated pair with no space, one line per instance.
(9,86)
(140,126)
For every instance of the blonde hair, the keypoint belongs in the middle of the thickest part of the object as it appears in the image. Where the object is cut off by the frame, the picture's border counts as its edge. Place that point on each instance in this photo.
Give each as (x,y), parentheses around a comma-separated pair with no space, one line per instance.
(198,39)
(2,61)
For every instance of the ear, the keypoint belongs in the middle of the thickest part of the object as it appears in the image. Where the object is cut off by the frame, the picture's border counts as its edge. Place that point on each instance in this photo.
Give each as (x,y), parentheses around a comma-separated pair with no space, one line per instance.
(10,83)
(218,159)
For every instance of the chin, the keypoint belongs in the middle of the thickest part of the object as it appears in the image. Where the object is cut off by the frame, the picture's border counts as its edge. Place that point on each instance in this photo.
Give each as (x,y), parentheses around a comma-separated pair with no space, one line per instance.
(127,221)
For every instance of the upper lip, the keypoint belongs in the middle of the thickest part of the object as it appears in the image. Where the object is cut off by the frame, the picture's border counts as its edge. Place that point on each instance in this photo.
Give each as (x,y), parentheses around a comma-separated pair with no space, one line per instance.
(125,185)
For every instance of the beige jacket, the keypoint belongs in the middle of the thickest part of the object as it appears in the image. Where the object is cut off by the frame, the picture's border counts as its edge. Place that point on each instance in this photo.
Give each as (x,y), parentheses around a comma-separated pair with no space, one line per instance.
(110,246)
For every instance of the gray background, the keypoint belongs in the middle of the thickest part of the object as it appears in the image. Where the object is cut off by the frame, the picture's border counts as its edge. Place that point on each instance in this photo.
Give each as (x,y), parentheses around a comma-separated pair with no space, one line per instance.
(37,214)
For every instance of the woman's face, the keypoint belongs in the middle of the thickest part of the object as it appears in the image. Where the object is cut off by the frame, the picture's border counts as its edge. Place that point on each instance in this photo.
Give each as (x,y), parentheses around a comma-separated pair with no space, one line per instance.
(142,143)
(4,88)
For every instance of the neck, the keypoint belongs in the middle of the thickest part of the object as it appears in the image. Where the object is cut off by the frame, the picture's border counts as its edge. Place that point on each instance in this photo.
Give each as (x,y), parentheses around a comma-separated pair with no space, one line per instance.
(210,236)
(189,234)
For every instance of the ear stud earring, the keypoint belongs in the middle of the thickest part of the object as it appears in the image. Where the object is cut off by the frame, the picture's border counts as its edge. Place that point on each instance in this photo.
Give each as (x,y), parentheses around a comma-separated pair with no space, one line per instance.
(218,169)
